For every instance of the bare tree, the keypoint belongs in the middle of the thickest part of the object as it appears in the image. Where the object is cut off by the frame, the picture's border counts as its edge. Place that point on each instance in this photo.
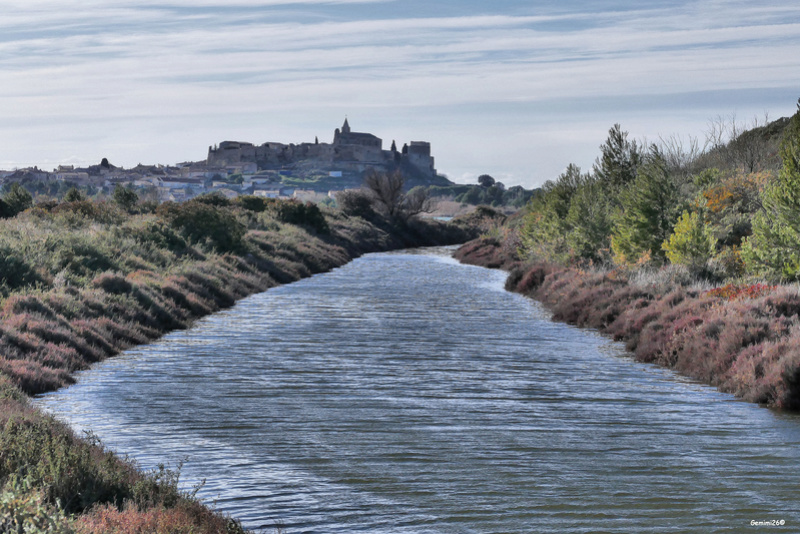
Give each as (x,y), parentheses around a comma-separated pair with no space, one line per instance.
(417,201)
(738,145)
(679,153)
(386,191)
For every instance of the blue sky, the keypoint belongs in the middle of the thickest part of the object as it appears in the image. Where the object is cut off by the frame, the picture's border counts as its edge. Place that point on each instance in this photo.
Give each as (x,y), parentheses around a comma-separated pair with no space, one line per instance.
(515,89)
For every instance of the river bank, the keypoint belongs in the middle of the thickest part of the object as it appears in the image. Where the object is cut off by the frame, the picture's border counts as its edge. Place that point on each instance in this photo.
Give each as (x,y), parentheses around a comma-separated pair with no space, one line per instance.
(396,392)
(742,339)
(83,281)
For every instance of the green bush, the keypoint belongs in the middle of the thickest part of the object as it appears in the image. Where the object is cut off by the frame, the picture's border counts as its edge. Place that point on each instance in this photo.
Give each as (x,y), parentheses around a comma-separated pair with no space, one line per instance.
(692,243)
(82,258)
(23,510)
(74,195)
(125,197)
(213,199)
(16,200)
(15,272)
(295,212)
(155,233)
(253,203)
(204,223)
(75,474)
(80,211)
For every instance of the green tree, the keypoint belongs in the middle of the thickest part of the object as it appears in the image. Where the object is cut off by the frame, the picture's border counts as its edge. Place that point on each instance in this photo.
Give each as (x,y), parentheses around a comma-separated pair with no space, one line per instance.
(692,243)
(125,197)
(474,196)
(74,195)
(647,214)
(485,180)
(590,222)
(774,247)
(619,160)
(545,228)
(16,200)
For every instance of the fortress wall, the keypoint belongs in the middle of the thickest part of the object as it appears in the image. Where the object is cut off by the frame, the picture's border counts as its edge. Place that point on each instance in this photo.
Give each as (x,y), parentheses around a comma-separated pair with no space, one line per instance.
(350,151)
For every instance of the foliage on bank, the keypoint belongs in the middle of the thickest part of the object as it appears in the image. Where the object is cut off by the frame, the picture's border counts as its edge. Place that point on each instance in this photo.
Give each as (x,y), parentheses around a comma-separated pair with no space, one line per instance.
(725,212)
(691,261)
(82,280)
(743,339)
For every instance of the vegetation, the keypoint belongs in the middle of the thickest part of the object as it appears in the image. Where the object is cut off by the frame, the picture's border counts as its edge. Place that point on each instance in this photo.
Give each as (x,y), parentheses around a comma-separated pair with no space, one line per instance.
(729,210)
(81,280)
(488,192)
(689,256)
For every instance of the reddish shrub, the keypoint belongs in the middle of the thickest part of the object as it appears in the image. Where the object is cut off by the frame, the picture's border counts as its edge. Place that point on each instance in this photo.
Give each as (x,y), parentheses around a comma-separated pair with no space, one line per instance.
(486,252)
(738,291)
(34,378)
(187,518)
(112,283)
(737,337)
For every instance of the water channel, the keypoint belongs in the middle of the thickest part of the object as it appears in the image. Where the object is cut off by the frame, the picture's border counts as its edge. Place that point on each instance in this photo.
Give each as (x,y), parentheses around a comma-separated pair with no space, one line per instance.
(405,393)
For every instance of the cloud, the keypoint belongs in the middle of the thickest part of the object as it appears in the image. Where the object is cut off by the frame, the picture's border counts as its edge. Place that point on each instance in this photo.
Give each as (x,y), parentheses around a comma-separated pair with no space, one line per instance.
(126,63)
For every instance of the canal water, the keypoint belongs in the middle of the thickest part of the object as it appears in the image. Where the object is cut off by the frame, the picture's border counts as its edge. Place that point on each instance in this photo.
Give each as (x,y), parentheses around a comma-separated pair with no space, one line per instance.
(406,393)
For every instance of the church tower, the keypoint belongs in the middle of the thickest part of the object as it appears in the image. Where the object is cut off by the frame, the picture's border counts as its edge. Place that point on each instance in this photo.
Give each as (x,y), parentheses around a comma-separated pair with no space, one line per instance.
(345,127)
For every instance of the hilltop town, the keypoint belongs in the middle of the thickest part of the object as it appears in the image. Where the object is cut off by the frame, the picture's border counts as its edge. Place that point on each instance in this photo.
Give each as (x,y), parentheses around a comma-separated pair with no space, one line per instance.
(308,171)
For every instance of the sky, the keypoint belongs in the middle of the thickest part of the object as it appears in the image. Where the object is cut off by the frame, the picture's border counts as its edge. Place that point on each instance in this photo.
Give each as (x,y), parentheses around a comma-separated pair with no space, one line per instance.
(515,89)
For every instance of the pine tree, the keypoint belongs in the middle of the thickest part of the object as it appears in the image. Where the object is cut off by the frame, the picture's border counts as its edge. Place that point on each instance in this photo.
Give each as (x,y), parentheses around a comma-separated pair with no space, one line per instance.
(17,199)
(774,248)
(589,220)
(544,231)
(647,214)
(619,160)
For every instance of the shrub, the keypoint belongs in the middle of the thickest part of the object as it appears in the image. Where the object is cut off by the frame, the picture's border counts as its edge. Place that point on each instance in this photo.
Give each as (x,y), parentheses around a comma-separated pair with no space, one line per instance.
(16,200)
(253,203)
(692,243)
(79,211)
(22,509)
(737,292)
(15,272)
(204,223)
(214,198)
(112,283)
(82,257)
(186,518)
(126,198)
(73,473)
(303,214)
(156,234)
(355,202)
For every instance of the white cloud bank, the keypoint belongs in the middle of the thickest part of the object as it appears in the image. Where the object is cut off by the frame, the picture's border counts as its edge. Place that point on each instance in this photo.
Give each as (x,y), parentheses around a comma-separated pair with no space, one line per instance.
(514,95)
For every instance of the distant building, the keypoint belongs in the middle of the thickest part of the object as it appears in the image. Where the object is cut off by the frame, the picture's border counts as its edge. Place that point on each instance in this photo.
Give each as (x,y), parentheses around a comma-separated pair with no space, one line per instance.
(349,152)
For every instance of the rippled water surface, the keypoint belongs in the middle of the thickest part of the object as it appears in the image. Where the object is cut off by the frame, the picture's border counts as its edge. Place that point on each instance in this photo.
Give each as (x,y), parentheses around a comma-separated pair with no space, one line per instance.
(404,393)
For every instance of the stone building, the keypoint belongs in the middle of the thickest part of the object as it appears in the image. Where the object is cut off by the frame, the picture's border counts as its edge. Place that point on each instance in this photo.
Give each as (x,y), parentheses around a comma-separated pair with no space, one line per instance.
(353,152)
